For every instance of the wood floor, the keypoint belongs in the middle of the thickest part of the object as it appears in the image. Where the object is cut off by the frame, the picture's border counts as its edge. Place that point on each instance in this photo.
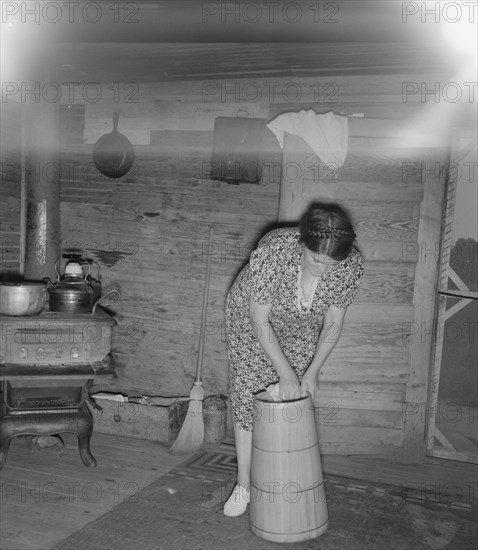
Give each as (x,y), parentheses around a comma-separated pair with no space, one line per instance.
(46,496)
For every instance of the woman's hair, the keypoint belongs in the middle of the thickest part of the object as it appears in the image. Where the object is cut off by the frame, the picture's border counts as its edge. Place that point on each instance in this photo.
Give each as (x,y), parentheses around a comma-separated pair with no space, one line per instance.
(326,229)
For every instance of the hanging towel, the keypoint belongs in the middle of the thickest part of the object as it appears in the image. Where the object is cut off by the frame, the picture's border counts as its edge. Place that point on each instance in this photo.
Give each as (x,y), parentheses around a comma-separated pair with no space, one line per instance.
(326,134)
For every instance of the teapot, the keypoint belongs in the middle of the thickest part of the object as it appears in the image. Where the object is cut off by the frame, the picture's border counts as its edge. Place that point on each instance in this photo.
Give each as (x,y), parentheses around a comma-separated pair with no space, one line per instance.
(75,292)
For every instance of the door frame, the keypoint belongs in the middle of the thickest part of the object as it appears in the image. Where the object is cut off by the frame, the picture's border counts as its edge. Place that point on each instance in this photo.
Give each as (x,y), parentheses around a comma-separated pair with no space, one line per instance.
(447,450)
(420,334)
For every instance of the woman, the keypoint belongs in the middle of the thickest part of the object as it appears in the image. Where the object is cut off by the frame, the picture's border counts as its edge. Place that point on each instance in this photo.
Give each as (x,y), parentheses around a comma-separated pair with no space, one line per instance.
(284,315)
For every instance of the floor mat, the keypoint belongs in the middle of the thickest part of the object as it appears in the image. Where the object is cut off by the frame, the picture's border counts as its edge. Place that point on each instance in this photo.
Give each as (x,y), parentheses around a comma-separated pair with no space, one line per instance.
(183,509)
(213,465)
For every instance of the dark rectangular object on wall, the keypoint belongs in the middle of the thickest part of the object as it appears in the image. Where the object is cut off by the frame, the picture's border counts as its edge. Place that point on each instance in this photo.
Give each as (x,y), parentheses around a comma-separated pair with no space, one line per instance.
(72,124)
(236,149)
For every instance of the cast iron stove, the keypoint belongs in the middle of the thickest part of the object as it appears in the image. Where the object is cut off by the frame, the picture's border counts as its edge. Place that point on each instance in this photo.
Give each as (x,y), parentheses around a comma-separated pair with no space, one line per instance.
(47,364)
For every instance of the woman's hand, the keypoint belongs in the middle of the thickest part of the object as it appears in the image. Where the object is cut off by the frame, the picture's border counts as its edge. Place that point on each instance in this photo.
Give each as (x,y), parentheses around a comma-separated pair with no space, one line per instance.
(309,384)
(289,387)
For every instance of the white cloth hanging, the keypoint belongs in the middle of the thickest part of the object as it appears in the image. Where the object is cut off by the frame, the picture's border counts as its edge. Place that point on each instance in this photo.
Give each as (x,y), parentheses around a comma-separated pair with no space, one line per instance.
(326,134)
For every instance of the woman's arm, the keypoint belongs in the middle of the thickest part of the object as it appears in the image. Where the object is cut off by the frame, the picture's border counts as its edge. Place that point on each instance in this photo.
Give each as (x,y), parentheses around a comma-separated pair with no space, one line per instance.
(333,323)
(289,386)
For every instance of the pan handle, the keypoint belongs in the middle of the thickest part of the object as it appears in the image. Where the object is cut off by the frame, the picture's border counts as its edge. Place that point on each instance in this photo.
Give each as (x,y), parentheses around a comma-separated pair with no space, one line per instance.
(115,122)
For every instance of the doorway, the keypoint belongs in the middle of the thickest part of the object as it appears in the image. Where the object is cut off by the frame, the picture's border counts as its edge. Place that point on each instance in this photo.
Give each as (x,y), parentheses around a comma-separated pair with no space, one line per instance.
(453,410)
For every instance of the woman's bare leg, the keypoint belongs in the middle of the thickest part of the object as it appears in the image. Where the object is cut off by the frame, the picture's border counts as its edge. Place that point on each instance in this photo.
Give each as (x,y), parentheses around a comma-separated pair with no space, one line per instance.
(237,502)
(244,454)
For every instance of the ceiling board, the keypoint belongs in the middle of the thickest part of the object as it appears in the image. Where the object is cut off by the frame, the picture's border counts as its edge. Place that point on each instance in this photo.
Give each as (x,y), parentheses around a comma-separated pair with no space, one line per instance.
(198,21)
(159,62)
(195,40)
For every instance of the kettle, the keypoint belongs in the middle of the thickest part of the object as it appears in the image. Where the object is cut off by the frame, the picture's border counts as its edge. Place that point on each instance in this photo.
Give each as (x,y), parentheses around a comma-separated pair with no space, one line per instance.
(71,293)
(75,292)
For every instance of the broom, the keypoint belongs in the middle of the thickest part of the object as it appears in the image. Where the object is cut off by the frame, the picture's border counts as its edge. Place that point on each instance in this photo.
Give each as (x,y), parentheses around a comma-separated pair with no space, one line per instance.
(191,435)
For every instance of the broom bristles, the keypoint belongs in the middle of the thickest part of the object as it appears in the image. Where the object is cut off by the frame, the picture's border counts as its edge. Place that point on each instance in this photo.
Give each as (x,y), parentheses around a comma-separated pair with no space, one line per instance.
(191,435)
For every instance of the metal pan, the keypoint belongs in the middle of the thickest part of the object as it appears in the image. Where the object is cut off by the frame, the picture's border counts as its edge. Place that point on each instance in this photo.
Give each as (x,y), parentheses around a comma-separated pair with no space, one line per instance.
(22,298)
(113,153)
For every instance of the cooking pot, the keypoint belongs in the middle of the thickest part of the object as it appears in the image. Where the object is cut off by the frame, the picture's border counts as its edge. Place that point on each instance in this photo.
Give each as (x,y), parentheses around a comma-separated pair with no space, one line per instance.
(113,153)
(22,298)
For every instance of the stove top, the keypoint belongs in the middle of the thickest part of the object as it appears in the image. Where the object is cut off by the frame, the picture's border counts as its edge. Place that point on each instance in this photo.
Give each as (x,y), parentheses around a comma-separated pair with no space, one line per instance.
(55,338)
(47,315)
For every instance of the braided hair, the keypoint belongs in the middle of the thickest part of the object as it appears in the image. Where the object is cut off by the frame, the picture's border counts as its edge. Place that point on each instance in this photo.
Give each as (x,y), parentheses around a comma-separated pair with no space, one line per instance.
(326,229)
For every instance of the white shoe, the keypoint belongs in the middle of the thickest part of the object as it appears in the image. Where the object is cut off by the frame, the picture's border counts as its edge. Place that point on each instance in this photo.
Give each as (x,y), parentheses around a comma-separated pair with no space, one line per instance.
(237,503)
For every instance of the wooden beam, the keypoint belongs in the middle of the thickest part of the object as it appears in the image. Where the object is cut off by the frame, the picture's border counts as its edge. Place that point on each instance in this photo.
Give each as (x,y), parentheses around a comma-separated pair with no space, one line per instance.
(292,179)
(416,402)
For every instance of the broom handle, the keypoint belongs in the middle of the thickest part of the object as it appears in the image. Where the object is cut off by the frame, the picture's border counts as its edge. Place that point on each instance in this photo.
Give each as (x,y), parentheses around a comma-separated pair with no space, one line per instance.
(204,307)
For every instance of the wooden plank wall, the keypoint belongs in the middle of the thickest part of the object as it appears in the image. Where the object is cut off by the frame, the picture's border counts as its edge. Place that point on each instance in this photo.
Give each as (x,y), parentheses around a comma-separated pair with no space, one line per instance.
(149,231)
(364,403)
(10,186)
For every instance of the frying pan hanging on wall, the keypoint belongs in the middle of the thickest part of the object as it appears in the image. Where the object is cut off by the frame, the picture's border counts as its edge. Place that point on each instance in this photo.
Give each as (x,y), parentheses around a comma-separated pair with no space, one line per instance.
(113,153)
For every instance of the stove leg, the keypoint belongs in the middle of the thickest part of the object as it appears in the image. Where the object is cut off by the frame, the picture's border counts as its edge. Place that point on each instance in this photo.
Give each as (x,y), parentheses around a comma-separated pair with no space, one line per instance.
(5,439)
(80,424)
(84,446)
(84,431)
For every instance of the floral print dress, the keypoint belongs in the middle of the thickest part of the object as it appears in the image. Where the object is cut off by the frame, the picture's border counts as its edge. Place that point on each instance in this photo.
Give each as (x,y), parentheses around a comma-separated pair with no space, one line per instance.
(272,276)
